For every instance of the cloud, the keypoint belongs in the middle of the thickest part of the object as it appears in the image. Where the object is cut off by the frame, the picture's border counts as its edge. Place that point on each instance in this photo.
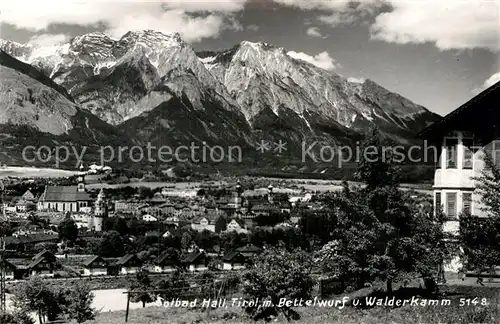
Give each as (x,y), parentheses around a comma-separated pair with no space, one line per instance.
(449,24)
(194,20)
(337,12)
(49,39)
(329,5)
(253,27)
(314,32)
(356,80)
(322,60)
(204,5)
(488,83)
(492,80)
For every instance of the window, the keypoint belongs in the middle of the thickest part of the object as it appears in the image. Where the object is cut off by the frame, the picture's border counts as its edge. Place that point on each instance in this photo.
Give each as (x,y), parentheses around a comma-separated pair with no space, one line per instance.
(451,153)
(467,202)
(468,153)
(439,159)
(437,204)
(451,204)
(493,151)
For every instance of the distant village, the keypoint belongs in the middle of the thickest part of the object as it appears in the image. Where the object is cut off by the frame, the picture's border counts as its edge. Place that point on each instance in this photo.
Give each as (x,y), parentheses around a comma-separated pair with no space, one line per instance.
(68,231)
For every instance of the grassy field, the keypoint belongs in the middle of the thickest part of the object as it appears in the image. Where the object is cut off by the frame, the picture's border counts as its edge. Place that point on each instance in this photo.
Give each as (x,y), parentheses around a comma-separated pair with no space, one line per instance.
(307,184)
(469,313)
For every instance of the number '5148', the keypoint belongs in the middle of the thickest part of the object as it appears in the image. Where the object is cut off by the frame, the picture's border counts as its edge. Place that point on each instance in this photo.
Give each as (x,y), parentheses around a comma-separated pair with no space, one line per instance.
(473,301)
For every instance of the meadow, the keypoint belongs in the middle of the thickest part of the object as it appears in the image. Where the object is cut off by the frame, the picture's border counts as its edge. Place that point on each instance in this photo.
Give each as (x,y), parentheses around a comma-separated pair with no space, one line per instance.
(464,309)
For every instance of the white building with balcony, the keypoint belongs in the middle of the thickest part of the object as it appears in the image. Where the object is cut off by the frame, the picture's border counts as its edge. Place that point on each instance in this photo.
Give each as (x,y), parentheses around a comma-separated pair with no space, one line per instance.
(462,139)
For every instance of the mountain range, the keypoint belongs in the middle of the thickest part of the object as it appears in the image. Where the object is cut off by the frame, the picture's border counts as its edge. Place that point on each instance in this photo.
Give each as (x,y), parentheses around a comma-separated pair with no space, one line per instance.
(149,87)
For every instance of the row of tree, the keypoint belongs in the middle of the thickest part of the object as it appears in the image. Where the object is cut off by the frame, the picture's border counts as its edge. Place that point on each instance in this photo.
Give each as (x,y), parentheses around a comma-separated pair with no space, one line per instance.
(51,302)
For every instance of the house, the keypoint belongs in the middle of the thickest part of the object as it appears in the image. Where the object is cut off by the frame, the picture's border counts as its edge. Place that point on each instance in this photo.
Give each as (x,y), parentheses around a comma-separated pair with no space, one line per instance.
(149,218)
(294,200)
(196,261)
(167,208)
(23,206)
(204,223)
(95,266)
(81,220)
(284,206)
(249,250)
(172,220)
(462,138)
(236,225)
(27,242)
(295,216)
(460,141)
(43,264)
(158,198)
(129,264)
(28,196)
(127,207)
(27,202)
(264,209)
(65,198)
(10,269)
(33,230)
(234,260)
(166,263)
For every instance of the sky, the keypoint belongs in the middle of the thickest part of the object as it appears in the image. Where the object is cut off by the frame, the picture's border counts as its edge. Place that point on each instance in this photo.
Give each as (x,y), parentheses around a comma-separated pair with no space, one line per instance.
(437,53)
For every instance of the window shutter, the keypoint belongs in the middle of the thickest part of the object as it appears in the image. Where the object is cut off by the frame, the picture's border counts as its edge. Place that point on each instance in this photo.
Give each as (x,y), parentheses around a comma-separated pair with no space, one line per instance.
(451,203)
(467,202)
(468,145)
(437,204)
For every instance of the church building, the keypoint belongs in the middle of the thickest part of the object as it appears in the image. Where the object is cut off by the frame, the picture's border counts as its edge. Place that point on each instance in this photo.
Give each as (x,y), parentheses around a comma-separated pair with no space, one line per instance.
(65,198)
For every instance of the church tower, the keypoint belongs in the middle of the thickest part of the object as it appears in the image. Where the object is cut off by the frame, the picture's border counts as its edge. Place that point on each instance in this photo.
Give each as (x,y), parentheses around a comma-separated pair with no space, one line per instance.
(81,179)
(238,200)
(100,211)
(270,197)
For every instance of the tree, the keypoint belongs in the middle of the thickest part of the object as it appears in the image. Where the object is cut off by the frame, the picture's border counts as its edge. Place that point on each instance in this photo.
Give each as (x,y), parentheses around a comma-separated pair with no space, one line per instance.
(52,247)
(220,225)
(79,302)
(272,219)
(35,295)
(18,317)
(141,287)
(121,226)
(428,248)
(352,241)
(173,287)
(276,274)
(145,192)
(479,237)
(111,245)
(378,232)
(34,219)
(52,302)
(5,228)
(186,241)
(393,219)
(68,230)
(232,240)
(206,284)
(116,224)
(206,240)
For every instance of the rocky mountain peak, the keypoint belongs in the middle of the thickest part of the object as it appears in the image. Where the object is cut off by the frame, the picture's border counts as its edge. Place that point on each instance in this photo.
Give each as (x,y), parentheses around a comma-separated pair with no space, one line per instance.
(21,51)
(150,38)
(260,84)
